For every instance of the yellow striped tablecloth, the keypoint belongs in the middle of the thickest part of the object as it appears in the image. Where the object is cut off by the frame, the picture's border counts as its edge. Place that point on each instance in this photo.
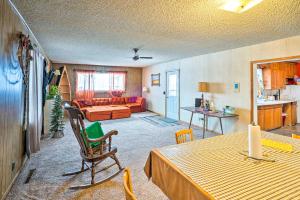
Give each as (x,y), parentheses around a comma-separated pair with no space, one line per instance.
(215,169)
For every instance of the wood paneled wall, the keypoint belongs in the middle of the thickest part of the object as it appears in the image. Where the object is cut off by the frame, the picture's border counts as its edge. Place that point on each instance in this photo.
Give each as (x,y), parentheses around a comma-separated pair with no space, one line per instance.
(11,101)
(134,77)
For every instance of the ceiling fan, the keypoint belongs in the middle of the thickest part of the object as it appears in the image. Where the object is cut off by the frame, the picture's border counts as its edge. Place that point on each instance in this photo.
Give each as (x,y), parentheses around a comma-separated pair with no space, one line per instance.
(137,57)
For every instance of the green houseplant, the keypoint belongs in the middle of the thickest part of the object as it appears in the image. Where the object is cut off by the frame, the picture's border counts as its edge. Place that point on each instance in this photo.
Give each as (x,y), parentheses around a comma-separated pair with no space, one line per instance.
(57,123)
(53,90)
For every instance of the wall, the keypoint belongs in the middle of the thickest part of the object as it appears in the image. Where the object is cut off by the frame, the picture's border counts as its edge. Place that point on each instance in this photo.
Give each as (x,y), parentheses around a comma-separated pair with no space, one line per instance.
(134,77)
(11,104)
(221,70)
(292,92)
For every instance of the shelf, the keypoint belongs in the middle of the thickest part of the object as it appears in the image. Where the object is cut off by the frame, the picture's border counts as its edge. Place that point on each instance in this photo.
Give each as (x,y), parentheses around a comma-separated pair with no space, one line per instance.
(64,85)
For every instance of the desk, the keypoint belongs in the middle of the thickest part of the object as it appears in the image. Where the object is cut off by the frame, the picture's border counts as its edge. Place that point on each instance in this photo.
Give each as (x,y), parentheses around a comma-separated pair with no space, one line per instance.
(213,168)
(206,115)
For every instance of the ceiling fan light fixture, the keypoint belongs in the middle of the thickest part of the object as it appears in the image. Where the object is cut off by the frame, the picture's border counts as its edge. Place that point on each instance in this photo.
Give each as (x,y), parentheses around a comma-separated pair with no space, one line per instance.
(239,6)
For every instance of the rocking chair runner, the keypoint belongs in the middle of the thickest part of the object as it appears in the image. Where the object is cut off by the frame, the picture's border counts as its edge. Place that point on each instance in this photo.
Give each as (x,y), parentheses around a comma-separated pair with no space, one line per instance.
(89,154)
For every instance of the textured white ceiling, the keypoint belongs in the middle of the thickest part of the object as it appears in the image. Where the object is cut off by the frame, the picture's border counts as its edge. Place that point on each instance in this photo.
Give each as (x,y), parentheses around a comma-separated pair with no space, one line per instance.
(104,31)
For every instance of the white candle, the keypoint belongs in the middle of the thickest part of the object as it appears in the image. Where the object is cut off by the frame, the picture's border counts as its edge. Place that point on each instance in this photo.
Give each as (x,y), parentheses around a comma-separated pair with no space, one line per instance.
(254,141)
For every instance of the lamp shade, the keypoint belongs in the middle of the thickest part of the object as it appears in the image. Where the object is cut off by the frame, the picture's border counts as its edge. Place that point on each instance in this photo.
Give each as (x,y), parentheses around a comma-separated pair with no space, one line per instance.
(202,87)
(145,89)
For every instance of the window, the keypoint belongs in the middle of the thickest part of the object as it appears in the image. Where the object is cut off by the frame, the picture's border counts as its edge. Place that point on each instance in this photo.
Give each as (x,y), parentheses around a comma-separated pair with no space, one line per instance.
(106,81)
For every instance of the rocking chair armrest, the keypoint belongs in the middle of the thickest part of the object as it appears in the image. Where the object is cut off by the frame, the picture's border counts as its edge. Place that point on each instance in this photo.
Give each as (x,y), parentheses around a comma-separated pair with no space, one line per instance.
(103,138)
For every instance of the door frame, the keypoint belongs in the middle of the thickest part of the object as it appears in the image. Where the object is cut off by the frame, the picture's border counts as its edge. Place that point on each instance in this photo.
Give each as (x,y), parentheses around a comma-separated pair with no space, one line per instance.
(253,66)
(166,85)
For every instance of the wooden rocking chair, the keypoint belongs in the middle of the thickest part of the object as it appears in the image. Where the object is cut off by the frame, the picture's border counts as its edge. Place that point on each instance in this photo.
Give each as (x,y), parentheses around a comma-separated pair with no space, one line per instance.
(91,155)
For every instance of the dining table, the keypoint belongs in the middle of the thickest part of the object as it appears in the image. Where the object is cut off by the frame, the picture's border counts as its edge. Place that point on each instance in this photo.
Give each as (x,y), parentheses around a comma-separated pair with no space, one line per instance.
(219,168)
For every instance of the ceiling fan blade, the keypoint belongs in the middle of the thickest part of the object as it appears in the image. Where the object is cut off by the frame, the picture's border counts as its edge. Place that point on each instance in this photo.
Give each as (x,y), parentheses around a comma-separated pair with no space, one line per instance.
(145,57)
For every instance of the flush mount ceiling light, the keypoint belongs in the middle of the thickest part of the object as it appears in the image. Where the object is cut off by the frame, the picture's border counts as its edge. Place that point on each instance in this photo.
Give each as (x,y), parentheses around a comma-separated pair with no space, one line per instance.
(239,6)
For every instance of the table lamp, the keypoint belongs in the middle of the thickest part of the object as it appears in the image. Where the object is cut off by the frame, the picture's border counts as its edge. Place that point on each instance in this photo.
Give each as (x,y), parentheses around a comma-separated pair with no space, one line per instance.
(202,87)
(145,89)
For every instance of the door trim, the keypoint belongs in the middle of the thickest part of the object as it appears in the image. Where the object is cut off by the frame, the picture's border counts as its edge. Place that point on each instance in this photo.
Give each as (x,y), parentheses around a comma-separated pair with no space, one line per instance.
(166,85)
(254,64)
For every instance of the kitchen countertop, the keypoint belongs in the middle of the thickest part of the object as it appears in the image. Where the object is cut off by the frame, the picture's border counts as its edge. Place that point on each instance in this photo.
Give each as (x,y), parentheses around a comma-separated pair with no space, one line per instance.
(268,103)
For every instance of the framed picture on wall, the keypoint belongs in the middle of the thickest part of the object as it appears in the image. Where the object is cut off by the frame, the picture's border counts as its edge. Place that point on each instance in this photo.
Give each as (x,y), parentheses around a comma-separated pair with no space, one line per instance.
(155,79)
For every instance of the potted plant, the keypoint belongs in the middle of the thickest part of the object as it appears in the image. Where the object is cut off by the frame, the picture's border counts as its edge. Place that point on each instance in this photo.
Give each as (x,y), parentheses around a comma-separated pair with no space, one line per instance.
(57,123)
(53,90)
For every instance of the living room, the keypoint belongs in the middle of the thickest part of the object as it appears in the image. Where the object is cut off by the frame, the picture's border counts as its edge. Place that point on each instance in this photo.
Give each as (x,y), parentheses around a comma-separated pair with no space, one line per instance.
(97,97)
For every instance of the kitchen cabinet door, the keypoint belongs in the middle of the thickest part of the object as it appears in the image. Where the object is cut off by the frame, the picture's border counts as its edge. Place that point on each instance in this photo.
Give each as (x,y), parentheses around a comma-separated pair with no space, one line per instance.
(280,79)
(268,119)
(261,119)
(273,77)
(291,70)
(294,113)
(277,117)
(267,78)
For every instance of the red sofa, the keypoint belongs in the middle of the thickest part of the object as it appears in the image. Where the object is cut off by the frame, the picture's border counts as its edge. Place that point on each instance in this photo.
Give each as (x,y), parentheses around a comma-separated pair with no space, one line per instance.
(110,108)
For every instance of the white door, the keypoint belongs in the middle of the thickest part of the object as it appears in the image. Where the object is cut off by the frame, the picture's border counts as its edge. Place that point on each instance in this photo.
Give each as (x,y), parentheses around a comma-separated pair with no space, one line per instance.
(172,95)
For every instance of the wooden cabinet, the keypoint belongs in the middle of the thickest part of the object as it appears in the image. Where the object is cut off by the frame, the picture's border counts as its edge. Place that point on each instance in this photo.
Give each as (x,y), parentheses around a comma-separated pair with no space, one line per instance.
(261,118)
(270,117)
(289,69)
(294,113)
(273,76)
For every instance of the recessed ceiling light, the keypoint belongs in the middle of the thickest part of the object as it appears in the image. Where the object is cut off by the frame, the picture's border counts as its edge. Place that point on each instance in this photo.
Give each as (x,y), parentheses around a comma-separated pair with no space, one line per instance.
(239,6)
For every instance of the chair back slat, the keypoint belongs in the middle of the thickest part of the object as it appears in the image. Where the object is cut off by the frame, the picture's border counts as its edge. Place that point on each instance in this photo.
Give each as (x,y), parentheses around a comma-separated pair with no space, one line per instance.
(127,184)
(181,136)
(295,136)
(77,124)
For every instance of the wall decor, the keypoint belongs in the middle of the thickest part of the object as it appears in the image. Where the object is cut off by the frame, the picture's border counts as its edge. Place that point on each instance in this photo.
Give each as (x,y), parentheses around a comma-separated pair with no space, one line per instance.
(236,87)
(155,79)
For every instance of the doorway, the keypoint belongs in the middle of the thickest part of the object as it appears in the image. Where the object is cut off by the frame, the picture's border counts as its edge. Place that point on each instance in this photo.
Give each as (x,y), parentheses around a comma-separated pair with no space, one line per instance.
(172,94)
(257,83)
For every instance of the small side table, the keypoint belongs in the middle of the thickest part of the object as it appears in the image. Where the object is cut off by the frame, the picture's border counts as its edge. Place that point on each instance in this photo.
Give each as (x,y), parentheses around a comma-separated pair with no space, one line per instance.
(206,115)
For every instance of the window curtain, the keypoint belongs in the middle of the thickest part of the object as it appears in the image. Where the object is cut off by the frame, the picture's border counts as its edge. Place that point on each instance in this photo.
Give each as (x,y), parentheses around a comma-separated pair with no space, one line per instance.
(117,83)
(114,82)
(35,116)
(86,90)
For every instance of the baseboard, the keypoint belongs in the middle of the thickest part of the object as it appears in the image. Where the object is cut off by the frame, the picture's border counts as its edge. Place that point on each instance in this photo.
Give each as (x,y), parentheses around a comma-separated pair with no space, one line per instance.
(16,176)
(154,112)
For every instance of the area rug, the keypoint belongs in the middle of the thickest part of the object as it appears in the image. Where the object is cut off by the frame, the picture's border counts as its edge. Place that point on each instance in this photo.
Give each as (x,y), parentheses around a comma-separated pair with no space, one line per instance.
(160,121)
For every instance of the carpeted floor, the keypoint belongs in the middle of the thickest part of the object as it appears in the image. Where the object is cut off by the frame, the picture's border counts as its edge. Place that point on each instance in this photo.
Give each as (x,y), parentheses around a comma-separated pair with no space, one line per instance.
(135,140)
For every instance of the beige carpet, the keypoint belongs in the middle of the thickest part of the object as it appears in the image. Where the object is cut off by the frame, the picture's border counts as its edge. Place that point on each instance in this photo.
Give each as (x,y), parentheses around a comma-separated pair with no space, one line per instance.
(135,140)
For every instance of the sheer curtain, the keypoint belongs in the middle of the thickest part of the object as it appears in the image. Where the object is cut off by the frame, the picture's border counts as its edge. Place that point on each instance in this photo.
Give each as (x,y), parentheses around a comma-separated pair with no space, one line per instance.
(35,116)
(85,85)
(117,81)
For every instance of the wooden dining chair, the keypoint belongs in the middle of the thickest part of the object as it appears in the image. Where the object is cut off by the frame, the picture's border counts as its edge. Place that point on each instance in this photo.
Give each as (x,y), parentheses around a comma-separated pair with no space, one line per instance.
(295,136)
(128,185)
(181,136)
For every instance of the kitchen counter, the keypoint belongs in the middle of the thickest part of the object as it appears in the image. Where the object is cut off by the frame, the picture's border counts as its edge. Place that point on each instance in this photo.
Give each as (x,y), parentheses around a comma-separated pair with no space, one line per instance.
(268,103)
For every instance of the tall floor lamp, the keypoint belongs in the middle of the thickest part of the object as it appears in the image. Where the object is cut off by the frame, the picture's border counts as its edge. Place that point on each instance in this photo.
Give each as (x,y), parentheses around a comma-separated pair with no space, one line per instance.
(202,87)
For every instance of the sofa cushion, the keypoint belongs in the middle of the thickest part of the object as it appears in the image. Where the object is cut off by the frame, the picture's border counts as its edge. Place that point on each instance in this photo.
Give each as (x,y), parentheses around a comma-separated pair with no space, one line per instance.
(117,100)
(88,102)
(83,103)
(131,99)
(133,105)
(101,101)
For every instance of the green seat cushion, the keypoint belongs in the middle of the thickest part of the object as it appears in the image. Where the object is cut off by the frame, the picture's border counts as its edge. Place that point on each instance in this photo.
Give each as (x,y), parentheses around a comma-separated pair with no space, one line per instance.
(93,131)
